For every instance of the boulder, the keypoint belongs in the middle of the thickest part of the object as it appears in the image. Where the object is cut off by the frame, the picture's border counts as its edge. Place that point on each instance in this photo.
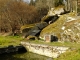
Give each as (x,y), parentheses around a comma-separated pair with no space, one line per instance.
(41,25)
(35,31)
(56,11)
(25,28)
(30,37)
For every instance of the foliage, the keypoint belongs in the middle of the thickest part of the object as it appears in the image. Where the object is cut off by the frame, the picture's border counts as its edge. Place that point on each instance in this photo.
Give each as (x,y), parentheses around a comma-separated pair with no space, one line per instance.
(58,2)
(27,26)
(15,13)
(32,2)
(42,8)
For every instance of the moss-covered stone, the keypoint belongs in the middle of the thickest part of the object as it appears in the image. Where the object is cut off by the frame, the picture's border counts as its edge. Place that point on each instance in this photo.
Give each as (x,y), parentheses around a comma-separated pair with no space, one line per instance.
(54,11)
(26,27)
(67,22)
(30,37)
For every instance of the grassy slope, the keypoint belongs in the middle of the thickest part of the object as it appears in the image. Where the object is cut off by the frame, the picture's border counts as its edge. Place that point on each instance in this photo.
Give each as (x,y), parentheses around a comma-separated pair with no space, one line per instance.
(10,40)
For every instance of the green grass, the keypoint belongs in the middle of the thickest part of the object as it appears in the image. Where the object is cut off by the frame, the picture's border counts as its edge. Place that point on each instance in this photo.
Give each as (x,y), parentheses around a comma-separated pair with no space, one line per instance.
(10,40)
(64,44)
(73,54)
(70,55)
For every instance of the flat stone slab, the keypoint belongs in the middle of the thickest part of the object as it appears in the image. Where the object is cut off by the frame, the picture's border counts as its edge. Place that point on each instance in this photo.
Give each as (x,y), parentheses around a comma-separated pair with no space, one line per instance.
(46,50)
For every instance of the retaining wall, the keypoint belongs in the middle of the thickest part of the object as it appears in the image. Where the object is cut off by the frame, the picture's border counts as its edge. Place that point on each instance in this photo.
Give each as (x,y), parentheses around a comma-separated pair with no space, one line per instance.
(46,50)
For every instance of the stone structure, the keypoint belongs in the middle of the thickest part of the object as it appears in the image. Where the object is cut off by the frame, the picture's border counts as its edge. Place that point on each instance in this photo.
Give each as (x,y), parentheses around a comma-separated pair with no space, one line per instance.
(46,50)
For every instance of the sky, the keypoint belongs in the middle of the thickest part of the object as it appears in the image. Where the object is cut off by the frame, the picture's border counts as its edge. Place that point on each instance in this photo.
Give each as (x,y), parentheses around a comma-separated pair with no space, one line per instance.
(26,0)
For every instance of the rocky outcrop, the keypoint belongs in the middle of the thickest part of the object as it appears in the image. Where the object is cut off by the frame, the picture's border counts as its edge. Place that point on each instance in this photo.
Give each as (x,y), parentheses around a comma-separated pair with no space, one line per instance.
(53,14)
(25,28)
(66,28)
(30,37)
(71,31)
(51,17)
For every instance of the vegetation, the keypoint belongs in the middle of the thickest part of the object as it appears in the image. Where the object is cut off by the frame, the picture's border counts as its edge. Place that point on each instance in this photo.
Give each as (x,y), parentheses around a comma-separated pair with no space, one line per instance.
(63,21)
(70,55)
(58,2)
(15,13)
(10,40)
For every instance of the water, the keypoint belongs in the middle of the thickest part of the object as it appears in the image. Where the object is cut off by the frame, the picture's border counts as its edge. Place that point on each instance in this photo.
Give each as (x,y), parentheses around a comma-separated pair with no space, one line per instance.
(23,56)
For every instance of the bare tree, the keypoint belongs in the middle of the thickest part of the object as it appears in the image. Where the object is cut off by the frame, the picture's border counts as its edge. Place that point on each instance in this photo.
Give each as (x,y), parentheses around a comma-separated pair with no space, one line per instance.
(15,13)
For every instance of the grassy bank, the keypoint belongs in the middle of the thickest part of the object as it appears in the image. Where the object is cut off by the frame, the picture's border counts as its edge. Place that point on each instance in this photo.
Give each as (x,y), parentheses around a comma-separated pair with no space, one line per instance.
(10,40)
(70,55)
(73,54)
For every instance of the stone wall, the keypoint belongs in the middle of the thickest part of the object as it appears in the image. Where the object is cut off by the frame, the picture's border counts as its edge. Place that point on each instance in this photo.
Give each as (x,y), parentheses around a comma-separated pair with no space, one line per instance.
(46,50)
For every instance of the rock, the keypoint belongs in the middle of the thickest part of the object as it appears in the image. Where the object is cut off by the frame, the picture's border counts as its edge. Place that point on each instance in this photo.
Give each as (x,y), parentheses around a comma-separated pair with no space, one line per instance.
(66,28)
(51,18)
(56,11)
(72,32)
(25,28)
(30,37)
(35,31)
(53,14)
(41,25)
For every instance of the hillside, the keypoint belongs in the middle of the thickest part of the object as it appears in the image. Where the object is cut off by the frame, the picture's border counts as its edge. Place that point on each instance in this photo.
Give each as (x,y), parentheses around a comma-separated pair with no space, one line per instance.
(66,28)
